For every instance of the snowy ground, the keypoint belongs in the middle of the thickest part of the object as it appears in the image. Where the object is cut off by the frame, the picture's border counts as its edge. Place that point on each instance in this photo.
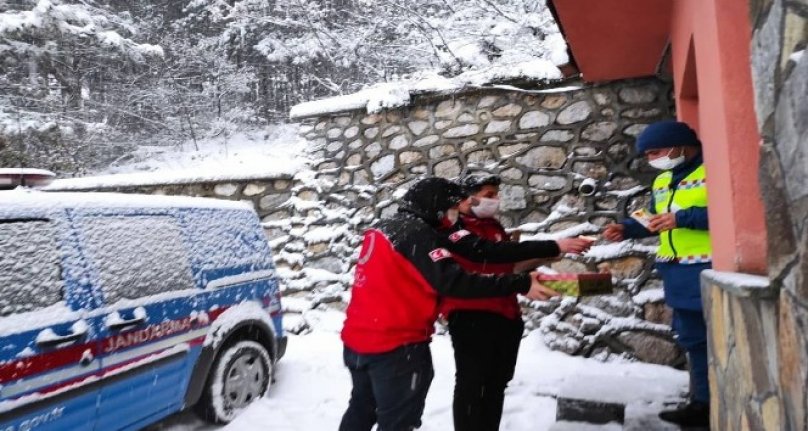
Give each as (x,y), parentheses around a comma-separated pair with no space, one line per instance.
(251,153)
(312,388)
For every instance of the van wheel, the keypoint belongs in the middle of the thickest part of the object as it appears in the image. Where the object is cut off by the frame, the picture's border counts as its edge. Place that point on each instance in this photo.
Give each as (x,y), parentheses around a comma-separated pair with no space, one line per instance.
(241,374)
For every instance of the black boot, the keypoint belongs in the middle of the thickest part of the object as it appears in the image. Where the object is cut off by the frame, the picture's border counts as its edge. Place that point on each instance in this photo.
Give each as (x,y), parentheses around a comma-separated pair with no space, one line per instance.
(693,414)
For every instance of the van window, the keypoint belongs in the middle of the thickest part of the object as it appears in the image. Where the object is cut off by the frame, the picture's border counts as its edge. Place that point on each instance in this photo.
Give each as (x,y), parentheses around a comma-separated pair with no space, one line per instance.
(228,239)
(137,256)
(30,271)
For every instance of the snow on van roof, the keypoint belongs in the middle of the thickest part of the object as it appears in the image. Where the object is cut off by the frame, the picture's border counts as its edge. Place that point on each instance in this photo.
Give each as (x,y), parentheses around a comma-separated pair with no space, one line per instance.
(27,198)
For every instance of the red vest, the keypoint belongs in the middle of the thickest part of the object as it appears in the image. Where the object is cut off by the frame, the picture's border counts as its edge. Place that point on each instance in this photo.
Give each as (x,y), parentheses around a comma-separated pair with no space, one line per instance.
(508,306)
(391,302)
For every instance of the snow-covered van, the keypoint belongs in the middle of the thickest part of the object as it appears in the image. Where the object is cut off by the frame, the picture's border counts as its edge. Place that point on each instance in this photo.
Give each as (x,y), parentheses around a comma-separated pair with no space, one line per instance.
(118,310)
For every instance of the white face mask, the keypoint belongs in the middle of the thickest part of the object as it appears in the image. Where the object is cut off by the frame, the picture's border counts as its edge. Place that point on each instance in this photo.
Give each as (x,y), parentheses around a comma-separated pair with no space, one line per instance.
(451,216)
(487,208)
(667,163)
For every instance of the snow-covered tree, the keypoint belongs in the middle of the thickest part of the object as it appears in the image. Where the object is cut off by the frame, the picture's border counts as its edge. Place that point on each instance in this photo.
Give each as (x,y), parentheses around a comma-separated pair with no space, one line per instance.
(313,48)
(83,82)
(57,62)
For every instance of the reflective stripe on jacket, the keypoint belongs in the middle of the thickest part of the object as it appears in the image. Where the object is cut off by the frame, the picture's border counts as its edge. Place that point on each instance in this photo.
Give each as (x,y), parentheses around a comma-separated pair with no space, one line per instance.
(682,245)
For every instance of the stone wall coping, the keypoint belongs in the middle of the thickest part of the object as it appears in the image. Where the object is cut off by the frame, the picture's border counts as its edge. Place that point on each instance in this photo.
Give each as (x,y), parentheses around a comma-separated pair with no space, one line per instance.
(741,284)
(388,96)
(151,179)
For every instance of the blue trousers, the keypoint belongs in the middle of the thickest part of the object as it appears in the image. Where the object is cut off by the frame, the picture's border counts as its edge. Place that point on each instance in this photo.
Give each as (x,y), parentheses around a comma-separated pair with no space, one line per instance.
(691,334)
(388,388)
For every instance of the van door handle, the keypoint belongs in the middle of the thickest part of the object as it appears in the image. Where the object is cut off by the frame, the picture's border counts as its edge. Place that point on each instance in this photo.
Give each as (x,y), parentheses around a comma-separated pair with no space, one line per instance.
(122,324)
(48,338)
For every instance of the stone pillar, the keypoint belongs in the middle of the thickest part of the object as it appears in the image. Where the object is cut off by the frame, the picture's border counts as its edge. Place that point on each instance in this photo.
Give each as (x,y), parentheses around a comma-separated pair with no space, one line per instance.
(780,76)
(742,318)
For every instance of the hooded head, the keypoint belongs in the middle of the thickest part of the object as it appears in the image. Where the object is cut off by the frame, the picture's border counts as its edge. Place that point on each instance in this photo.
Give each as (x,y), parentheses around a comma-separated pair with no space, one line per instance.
(430,199)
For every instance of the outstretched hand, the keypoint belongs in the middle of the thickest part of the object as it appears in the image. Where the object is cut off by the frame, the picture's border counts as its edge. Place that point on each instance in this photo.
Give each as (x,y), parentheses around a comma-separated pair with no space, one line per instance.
(539,291)
(574,245)
(614,232)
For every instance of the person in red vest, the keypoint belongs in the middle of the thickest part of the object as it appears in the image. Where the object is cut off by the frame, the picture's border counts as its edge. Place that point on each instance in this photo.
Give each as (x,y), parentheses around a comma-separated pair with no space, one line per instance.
(404,266)
(486,332)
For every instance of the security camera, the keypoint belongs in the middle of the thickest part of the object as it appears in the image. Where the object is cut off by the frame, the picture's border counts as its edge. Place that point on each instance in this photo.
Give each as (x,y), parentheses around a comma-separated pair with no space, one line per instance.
(588,187)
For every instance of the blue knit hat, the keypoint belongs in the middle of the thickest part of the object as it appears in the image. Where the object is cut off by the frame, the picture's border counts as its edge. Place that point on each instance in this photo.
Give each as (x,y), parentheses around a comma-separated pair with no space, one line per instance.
(665,134)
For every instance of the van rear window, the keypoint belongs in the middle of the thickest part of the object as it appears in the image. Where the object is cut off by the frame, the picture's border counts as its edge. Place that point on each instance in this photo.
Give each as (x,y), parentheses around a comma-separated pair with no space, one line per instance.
(137,256)
(30,271)
(228,239)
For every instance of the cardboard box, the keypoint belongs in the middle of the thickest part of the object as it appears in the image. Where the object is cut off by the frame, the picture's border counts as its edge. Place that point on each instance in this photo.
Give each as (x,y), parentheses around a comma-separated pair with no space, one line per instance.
(585,284)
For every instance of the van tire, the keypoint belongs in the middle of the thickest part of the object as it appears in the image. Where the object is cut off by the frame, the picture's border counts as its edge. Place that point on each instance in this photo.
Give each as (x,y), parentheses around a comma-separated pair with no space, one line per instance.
(241,373)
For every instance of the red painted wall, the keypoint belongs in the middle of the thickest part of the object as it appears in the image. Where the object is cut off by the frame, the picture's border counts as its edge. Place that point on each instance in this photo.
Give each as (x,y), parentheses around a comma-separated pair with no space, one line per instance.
(712,79)
(636,32)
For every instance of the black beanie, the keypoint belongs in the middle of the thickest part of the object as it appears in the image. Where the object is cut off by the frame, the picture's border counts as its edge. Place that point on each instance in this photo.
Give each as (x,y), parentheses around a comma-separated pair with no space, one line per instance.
(475,182)
(431,197)
(665,134)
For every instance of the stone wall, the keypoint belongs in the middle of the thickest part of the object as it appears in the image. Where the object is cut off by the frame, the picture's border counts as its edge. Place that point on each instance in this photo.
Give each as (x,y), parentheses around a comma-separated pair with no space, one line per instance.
(266,194)
(742,343)
(759,355)
(543,145)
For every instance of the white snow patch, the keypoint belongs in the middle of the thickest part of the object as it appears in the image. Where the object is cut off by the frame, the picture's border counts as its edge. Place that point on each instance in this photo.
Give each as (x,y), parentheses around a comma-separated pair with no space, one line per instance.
(393,95)
(584,426)
(248,310)
(626,193)
(240,278)
(649,295)
(44,201)
(26,352)
(295,305)
(48,336)
(570,232)
(49,316)
(243,156)
(325,233)
(622,387)
(315,361)
(618,249)
(738,280)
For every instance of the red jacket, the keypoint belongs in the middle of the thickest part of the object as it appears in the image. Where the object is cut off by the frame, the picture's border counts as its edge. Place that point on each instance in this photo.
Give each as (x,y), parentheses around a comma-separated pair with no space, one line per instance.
(402,269)
(508,306)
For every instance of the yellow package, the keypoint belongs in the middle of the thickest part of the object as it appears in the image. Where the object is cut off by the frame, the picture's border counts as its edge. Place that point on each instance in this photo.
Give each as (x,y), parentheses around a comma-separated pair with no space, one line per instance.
(585,284)
(642,216)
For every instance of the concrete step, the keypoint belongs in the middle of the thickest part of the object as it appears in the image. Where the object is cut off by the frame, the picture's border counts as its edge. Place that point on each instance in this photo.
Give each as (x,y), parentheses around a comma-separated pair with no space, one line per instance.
(632,401)
(589,411)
